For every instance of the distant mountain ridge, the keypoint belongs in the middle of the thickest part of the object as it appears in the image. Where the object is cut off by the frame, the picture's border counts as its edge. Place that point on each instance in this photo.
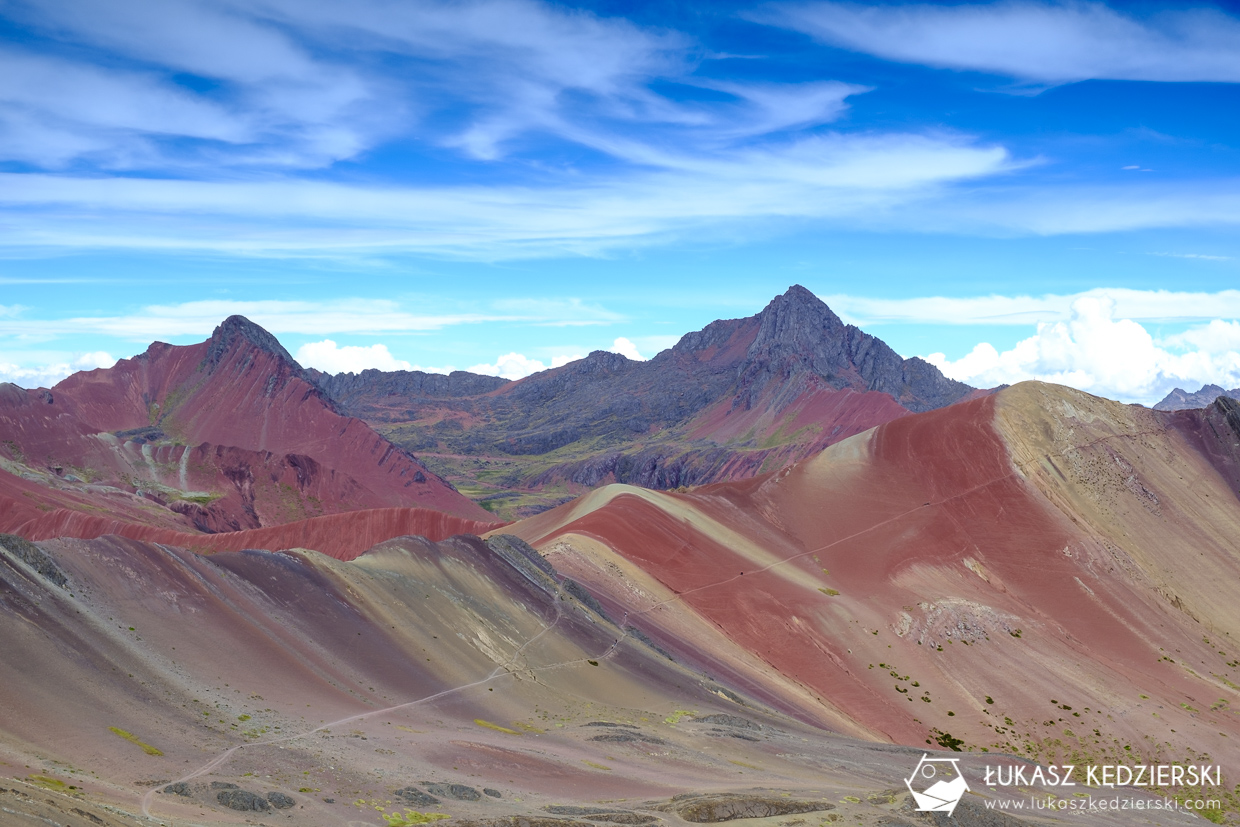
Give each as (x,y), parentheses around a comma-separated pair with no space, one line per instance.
(232,434)
(1180,399)
(736,398)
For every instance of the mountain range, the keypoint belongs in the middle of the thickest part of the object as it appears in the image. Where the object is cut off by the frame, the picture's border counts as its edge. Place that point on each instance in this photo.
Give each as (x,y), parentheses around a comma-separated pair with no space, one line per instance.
(236,596)
(232,434)
(1180,399)
(737,398)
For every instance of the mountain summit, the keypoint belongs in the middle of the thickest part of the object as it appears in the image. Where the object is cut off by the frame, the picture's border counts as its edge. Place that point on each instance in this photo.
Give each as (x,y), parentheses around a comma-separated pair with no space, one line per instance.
(737,398)
(220,436)
(798,334)
(239,327)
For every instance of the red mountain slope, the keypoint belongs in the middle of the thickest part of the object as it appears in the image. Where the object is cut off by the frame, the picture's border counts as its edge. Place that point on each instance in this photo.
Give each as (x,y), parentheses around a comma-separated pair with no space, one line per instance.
(342,536)
(219,436)
(1039,571)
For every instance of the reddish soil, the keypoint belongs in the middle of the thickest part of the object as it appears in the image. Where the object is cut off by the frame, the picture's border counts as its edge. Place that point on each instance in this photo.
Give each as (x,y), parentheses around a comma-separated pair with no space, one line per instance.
(929,546)
(220,436)
(343,536)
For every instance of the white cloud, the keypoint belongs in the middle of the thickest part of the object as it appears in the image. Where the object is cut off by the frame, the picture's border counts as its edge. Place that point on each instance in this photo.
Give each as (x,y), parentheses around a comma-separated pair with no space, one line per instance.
(354,316)
(1142,305)
(838,176)
(1108,356)
(311,82)
(1059,210)
(1042,42)
(518,365)
(524,66)
(626,349)
(329,357)
(1201,256)
(219,105)
(890,182)
(47,375)
(209,92)
(1217,337)
(63,90)
(267,99)
(510,366)
(570,312)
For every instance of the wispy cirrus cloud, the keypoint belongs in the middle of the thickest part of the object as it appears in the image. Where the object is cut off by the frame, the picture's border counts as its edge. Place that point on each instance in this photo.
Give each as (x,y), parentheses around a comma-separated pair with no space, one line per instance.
(1045,42)
(1198,256)
(343,316)
(189,127)
(224,127)
(236,85)
(133,81)
(821,176)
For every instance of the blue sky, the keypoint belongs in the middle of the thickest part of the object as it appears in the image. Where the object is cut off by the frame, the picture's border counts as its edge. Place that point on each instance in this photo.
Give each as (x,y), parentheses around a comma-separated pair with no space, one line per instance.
(1013,189)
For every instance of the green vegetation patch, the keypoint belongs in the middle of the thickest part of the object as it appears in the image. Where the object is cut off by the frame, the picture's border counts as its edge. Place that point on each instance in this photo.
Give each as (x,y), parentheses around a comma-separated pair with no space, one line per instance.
(48,783)
(410,817)
(133,739)
(496,727)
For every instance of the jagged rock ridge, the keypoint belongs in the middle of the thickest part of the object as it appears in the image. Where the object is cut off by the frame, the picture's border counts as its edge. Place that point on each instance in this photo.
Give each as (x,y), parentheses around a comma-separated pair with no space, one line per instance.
(1180,399)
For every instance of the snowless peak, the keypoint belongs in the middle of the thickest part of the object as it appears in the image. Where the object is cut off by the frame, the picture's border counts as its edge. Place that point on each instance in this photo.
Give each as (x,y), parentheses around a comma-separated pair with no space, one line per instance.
(239,326)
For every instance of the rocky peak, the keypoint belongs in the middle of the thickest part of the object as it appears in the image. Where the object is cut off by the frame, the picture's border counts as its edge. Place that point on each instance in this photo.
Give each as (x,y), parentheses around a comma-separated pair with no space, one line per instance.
(1180,399)
(797,318)
(239,327)
(797,332)
(799,336)
(602,361)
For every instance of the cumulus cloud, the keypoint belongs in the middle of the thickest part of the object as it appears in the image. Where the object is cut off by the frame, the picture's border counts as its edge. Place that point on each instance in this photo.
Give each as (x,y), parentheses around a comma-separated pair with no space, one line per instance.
(1043,42)
(518,365)
(1108,356)
(626,349)
(1217,337)
(1141,305)
(47,375)
(329,357)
